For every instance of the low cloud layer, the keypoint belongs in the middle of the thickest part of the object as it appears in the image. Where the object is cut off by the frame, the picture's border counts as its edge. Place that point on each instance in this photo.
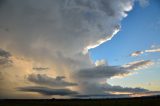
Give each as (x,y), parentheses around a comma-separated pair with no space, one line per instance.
(47,91)
(106,71)
(102,72)
(43,79)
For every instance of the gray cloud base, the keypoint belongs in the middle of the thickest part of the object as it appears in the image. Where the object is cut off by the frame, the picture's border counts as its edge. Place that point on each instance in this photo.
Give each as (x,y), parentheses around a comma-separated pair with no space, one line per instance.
(47,91)
(46,80)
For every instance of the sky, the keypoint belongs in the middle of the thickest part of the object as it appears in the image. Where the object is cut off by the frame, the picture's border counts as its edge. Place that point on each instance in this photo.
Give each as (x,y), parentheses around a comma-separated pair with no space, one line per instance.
(79,48)
(139,31)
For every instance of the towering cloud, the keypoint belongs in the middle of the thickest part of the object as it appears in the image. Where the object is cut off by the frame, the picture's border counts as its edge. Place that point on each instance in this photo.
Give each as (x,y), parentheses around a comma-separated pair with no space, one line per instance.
(57,34)
(59,26)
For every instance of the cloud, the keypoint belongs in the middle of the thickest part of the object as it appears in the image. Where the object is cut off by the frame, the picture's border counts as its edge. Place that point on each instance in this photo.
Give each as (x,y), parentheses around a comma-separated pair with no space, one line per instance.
(143,3)
(47,91)
(5,58)
(95,90)
(102,72)
(136,53)
(149,93)
(4,54)
(43,79)
(69,26)
(106,95)
(136,65)
(100,62)
(118,95)
(94,80)
(152,50)
(40,68)
(56,33)
(120,89)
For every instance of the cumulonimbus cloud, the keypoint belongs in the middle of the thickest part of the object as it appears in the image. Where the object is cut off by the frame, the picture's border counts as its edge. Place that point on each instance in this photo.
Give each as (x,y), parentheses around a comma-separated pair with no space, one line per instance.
(55,33)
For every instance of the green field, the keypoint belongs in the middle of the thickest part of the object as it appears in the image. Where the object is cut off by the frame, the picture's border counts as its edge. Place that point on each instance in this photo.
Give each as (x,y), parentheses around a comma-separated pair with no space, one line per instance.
(154,101)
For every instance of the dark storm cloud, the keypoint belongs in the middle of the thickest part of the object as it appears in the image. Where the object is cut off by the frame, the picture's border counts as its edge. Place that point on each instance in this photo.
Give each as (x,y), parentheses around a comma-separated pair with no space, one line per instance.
(94,80)
(46,80)
(1,2)
(102,72)
(4,54)
(90,87)
(109,91)
(5,58)
(110,88)
(105,95)
(47,91)
(69,26)
(105,71)
(5,62)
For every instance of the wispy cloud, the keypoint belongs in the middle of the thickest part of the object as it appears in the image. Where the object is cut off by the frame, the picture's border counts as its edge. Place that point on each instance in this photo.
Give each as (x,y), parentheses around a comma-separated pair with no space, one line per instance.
(143,3)
(136,65)
(152,50)
(136,53)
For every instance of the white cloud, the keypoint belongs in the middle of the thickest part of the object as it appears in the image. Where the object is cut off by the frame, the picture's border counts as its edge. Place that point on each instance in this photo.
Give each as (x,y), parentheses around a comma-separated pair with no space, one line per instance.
(152,50)
(136,53)
(100,62)
(136,65)
(143,3)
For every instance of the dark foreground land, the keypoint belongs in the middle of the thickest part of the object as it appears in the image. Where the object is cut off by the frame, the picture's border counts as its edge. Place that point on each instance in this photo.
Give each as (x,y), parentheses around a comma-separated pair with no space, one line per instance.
(145,101)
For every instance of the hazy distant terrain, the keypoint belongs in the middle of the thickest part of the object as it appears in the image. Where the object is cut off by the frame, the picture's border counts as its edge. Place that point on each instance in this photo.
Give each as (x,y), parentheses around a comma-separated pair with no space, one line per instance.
(147,101)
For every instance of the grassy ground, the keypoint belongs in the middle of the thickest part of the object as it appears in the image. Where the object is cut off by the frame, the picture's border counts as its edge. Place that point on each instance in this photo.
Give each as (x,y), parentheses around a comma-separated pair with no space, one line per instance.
(152,101)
